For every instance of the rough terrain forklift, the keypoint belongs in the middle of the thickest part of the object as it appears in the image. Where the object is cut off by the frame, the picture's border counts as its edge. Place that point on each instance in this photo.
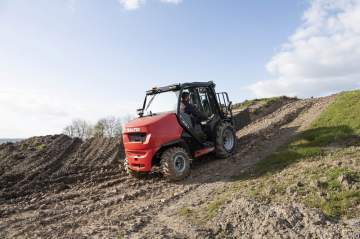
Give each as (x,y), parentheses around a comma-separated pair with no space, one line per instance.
(165,136)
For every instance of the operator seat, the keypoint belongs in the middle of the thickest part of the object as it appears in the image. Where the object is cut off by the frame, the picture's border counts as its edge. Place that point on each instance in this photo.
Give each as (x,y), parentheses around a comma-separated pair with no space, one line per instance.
(194,128)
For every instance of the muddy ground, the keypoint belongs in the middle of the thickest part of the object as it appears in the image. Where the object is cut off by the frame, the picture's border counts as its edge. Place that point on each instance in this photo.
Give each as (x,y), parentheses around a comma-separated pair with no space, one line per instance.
(58,187)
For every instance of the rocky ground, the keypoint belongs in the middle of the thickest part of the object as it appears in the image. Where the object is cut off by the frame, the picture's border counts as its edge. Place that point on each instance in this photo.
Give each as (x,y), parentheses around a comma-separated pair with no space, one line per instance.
(58,187)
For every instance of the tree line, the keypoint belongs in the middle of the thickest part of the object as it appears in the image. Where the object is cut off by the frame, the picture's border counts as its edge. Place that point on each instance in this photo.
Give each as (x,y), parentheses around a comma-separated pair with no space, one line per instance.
(106,127)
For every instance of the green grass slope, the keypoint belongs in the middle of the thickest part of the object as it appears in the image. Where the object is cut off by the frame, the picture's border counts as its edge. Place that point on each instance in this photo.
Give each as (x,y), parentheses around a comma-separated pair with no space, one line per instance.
(344,112)
(320,166)
(338,126)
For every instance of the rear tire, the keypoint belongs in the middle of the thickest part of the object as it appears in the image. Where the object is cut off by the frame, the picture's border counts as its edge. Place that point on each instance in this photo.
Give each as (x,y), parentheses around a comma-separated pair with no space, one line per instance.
(225,141)
(135,174)
(175,163)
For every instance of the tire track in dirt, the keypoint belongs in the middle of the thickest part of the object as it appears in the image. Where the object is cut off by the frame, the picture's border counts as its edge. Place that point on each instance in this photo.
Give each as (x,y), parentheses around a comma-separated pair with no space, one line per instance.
(259,139)
(35,178)
(52,162)
(199,177)
(100,200)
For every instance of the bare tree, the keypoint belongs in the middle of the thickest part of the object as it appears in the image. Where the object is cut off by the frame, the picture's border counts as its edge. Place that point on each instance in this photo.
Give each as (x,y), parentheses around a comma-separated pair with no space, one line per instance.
(79,128)
(99,129)
(69,130)
(108,127)
(117,131)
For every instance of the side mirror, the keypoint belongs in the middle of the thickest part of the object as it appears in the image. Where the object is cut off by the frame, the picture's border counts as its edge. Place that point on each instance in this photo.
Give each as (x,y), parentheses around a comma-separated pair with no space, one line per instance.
(140,112)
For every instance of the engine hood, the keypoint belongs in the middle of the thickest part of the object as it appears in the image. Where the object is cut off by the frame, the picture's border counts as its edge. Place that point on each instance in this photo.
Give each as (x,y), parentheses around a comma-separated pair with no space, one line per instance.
(147,121)
(146,135)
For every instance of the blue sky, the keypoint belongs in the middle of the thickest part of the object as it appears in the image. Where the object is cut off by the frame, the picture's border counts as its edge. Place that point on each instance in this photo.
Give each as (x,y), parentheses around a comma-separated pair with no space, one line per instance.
(66,59)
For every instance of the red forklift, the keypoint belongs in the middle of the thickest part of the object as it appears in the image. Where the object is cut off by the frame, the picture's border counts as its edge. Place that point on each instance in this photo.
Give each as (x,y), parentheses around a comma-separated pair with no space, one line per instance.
(165,136)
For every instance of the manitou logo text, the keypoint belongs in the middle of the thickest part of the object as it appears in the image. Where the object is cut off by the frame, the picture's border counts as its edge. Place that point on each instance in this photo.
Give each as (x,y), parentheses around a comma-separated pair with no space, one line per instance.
(132,130)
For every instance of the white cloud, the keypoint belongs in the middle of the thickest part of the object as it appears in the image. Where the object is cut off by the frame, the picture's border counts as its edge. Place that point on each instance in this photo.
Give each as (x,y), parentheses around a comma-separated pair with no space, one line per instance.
(322,56)
(131,4)
(171,1)
(135,4)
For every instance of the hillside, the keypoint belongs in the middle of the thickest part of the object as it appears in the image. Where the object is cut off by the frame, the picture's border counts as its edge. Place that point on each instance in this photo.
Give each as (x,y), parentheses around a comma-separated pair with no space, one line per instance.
(295,174)
(318,169)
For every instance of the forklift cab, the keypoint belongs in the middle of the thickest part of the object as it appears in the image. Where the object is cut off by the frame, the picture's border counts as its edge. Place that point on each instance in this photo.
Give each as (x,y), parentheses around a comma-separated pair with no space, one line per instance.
(209,112)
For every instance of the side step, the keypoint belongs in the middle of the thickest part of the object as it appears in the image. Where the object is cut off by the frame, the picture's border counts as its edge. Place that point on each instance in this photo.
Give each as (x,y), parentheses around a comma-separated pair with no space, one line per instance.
(203,151)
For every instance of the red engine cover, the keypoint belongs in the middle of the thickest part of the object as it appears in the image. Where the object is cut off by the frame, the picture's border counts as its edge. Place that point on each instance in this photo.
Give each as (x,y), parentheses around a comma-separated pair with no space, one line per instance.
(156,131)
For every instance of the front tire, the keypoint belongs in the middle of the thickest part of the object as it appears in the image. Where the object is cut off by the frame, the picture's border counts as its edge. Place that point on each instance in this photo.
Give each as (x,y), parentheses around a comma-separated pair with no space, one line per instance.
(225,141)
(175,163)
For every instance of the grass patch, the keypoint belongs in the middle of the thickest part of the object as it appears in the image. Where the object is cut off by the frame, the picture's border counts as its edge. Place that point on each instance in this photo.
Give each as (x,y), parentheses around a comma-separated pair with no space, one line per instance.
(337,124)
(40,147)
(185,212)
(313,182)
(203,213)
(279,177)
(214,206)
(334,173)
(339,200)
(344,111)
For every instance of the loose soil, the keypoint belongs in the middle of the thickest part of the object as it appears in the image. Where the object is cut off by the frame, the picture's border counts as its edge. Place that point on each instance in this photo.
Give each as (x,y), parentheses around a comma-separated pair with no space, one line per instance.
(59,187)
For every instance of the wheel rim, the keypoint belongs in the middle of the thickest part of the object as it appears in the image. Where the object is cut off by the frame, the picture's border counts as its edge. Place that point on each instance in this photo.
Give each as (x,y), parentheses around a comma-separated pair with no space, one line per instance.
(228,139)
(179,163)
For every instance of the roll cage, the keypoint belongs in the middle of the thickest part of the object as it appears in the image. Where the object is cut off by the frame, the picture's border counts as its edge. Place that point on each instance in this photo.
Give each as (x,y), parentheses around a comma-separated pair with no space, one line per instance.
(220,104)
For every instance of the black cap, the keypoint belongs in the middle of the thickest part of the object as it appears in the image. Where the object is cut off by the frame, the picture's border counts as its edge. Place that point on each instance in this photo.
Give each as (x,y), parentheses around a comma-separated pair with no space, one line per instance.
(185,94)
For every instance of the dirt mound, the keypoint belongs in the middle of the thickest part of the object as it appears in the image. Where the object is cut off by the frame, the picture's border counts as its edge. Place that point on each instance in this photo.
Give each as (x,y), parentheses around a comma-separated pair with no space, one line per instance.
(58,187)
(275,221)
(258,109)
(54,162)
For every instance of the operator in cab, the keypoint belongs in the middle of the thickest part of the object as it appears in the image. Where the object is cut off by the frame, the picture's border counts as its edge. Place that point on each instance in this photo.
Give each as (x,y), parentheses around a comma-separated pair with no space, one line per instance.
(190,109)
